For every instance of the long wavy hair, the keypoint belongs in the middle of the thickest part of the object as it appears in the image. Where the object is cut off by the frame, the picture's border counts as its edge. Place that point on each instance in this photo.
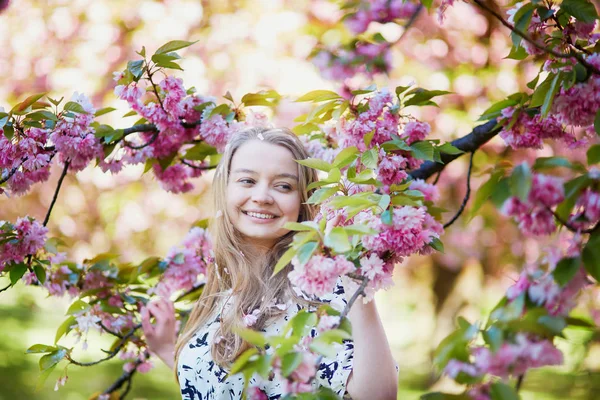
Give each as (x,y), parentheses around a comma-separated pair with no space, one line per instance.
(240,267)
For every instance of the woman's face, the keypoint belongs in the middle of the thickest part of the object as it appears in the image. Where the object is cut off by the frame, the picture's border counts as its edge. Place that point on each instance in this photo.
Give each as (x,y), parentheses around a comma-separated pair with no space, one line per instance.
(262,192)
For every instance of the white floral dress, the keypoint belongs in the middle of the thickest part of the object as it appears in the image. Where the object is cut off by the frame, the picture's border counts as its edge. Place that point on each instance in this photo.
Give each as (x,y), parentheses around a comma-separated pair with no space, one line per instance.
(200,378)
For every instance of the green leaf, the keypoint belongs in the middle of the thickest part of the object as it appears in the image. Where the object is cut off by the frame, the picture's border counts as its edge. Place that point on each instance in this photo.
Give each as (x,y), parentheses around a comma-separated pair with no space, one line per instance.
(306,251)
(173,46)
(566,269)
(316,163)
(41,348)
(495,109)
(28,102)
(65,328)
(484,192)
(593,154)
(369,158)
(583,10)
(104,110)
(437,244)
(267,98)
(337,239)
(520,181)
(305,129)
(319,95)
(74,107)
(449,149)
(597,123)
(40,273)
(251,336)
(200,151)
(522,19)
(345,157)
(77,307)
(136,68)
(16,272)
(422,150)
(539,95)
(242,360)
(501,391)
(422,96)
(320,195)
(290,362)
(591,256)
(50,360)
(549,98)
(543,163)
(494,337)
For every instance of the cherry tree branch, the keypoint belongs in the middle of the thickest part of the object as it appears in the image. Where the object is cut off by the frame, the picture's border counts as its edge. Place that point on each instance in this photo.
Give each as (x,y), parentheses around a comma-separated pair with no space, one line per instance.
(537,45)
(467,194)
(125,378)
(111,354)
(60,181)
(571,227)
(469,143)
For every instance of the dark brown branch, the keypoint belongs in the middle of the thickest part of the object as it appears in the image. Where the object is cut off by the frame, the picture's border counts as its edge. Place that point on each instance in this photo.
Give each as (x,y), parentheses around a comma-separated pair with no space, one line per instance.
(5,288)
(409,23)
(105,329)
(537,45)
(358,292)
(519,382)
(140,128)
(571,227)
(111,354)
(125,378)
(141,146)
(204,168)
(467,194)
(60,181)
(469,143)
(12,172)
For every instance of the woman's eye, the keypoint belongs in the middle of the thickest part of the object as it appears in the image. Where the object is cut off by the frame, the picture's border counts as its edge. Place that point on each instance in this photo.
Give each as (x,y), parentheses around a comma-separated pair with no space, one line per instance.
(285,187)
(248,181)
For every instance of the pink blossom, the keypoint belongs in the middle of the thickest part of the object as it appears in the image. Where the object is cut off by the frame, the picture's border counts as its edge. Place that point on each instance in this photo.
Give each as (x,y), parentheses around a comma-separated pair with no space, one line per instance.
(454,367)
(327,322)
(371,266)
(530,131)
(430,192)
(216,132)
(29,238)
(415,131)
(319,275)
(185,263)
(391,169)
(250,319)
(516,358)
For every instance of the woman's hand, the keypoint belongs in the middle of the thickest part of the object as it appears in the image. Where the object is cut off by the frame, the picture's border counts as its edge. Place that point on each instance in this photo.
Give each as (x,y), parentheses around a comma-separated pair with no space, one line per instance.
(160,336)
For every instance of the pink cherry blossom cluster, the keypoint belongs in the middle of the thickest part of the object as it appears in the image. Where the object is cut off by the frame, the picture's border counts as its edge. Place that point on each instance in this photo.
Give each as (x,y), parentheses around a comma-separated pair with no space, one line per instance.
(430,191)
(185,263)
(356,58)
(381,11)
(512,358)
(530,131)
(578,105)
(542,290)
(318,276)
(534,214)
(588,210)
(411,231)
(74,137)
(26,236)
(299,380)
(134,354)
(28,146)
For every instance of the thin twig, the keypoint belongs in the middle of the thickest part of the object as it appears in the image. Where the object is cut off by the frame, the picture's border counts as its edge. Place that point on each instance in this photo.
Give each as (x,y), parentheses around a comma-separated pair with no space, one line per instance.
(12,172)
(467,194)
(519,382)
(571,227)
(126,377)
(539,46)
(60,181)
(409,23)
(105,329)
(113,353)
(204,168)
(141,146)
(5,288)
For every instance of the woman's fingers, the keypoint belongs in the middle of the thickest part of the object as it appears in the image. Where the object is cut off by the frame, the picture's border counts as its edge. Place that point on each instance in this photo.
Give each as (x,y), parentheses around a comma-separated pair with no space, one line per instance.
(332,223)
(146,325)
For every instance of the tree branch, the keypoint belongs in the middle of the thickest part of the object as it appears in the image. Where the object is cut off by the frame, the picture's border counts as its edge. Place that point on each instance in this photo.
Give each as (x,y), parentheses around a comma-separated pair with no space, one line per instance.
(125,378)
(537,45)
(60,181)
(571,227)
(204,168)
(466,199)
(113,353)
(469,143)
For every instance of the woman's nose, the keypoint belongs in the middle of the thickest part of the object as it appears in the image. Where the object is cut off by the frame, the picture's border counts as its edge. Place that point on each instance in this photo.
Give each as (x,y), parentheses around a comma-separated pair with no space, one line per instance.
(261,194)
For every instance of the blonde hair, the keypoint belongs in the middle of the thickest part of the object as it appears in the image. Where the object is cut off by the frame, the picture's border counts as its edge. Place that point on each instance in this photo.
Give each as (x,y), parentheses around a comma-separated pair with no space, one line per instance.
(243,268)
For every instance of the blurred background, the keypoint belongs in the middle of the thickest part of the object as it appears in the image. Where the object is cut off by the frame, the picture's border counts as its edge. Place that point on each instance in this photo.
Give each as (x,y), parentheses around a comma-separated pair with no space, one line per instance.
(64,46)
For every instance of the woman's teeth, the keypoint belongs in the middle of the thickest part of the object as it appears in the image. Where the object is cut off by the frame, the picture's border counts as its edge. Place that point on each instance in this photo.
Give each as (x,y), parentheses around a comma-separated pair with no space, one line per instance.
(258,215)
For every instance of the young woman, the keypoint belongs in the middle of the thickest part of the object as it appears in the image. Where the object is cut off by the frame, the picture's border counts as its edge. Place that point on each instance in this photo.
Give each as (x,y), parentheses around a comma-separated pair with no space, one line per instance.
(258,188)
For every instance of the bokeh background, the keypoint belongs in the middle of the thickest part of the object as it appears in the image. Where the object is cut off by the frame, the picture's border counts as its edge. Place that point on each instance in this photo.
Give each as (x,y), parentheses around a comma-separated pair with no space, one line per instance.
(64,46)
